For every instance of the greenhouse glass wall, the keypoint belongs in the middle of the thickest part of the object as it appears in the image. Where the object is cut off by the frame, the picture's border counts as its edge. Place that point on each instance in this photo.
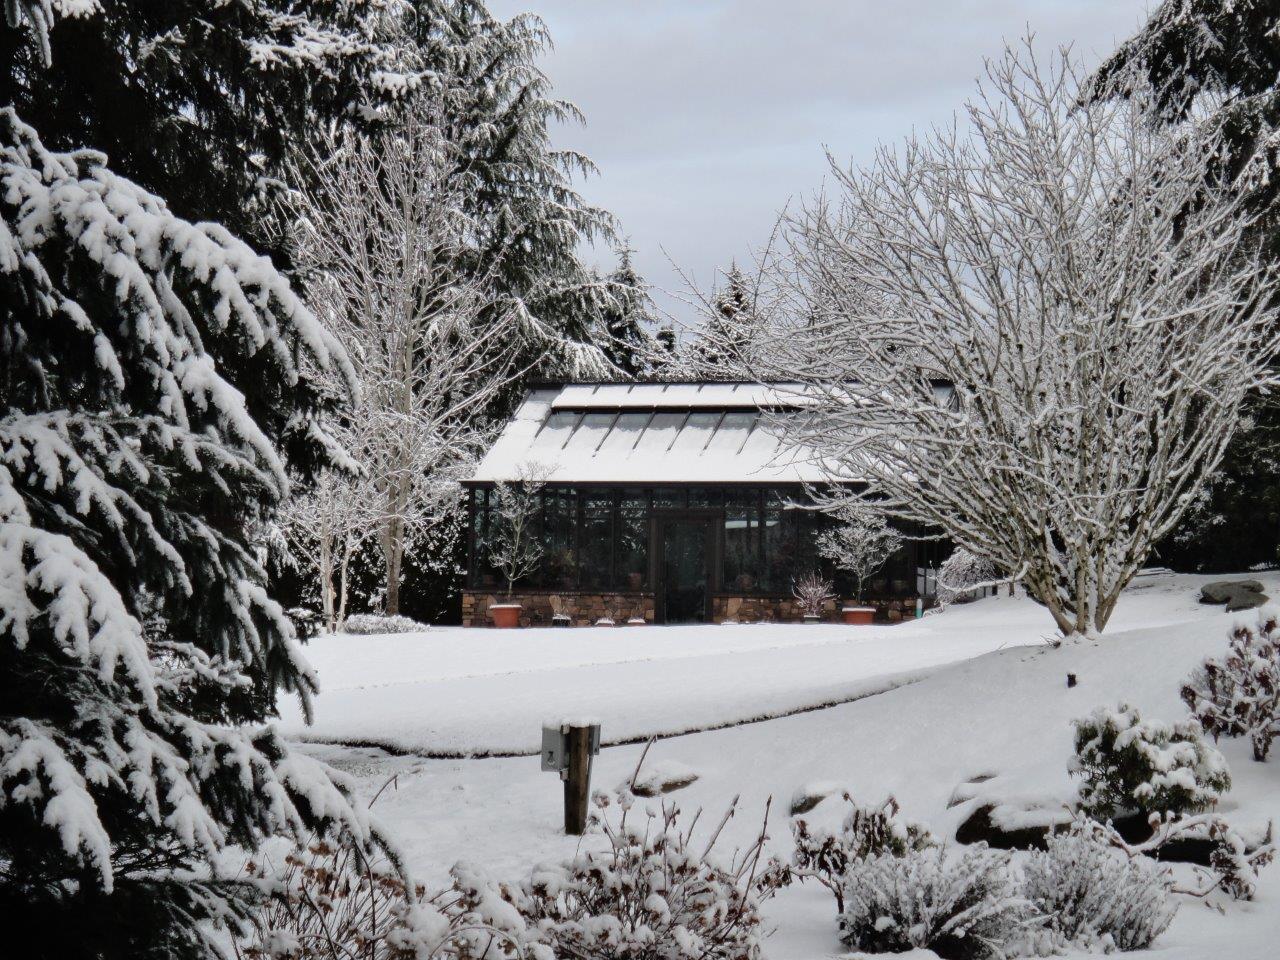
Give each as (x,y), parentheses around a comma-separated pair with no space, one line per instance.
(664,503)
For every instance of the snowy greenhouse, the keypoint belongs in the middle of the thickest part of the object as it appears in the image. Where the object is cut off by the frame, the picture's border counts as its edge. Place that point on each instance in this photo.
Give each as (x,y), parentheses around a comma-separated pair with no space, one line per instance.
(667,502)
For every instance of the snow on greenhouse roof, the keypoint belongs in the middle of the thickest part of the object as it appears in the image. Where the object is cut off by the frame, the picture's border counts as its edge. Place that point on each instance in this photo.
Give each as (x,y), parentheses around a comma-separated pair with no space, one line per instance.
(651,433)
(589,396)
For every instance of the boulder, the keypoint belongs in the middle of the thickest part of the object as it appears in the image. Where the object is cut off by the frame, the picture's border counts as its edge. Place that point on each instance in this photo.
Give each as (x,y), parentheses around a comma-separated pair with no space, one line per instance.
(1236,594)
(979,828)
(664,776)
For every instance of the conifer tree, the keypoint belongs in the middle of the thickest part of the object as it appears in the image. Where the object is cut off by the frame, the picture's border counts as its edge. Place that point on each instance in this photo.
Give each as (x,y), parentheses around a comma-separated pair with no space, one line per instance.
(140,649)
(625,321)
(528,218)
(1220,63)
(723,348)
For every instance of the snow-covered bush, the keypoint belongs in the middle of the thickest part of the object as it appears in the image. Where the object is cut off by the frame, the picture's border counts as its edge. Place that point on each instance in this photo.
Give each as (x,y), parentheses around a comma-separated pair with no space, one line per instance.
(960,904)
(369,623)
(1127,765)
(654,893)
(860,544)
(812,591)
(1092,896)
(961,573)
(1239,696)
(824,855)
(331,902)
(1235,858)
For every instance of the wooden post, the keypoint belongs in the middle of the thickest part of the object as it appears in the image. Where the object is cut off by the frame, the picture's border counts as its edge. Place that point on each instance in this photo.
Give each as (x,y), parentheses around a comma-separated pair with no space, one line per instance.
(577,779)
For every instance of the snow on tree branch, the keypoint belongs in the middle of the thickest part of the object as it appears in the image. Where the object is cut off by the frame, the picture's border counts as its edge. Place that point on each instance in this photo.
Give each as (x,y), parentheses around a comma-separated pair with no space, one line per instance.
(1035,337)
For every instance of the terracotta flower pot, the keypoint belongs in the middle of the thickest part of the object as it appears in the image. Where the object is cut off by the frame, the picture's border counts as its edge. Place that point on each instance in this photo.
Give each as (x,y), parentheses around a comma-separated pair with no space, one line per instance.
(505,615)
(812,618)
(859,615)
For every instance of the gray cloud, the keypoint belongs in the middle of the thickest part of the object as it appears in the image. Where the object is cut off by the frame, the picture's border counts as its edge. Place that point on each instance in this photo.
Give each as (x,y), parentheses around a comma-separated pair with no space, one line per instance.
(706,116)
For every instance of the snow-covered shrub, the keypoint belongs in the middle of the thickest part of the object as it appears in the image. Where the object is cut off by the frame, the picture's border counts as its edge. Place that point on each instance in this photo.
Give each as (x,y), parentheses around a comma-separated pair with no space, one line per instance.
(1130,765)
(824,855)
(961,573)
(1239,696)
(1235,858)
(1235,862)
(812,591)
(959,903)
(654,893)
(370,623)
(332,902)
(861,543)
(1092,896)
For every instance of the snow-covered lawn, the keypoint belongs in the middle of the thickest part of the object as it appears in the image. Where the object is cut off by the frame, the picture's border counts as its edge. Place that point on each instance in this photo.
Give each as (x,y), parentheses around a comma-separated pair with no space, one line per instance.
(473,692)
(1002,714)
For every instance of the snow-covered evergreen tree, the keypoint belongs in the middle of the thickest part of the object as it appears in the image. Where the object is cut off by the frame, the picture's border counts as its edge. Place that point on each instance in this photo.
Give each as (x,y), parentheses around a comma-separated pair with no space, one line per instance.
(724,347)
(139,646)
(199,101)
(1219,63)
(625,334)
(528,217)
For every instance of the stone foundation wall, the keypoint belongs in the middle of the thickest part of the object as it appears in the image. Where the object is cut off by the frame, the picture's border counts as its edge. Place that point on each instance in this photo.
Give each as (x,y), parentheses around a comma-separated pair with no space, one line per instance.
(787,610)
(584,609)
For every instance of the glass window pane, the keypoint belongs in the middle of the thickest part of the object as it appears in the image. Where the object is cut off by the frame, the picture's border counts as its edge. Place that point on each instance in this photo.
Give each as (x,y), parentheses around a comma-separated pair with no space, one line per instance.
(633,540)
(591,431)
(597,540)
(703,498)
(625,433)
(482,573)
(560,517)
(670,499)
(732,432)
(697,431)
(661,432)
(557,429)
(742,542)
(782,548)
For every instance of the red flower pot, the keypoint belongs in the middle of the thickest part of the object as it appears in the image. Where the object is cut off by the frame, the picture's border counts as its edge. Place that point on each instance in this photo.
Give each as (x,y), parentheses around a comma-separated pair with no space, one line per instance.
(505,615)
(859,615)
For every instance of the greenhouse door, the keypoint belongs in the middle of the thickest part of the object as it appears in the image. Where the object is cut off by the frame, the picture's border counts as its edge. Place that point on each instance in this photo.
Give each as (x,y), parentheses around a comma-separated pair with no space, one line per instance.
(684,593)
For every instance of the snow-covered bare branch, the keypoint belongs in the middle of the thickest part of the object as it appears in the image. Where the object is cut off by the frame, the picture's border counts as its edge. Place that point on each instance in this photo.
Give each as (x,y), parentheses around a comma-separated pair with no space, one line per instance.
(1033,335)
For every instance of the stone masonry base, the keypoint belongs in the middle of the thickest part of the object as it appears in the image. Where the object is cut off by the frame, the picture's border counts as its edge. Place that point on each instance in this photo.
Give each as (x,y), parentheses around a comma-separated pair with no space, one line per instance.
(584,609)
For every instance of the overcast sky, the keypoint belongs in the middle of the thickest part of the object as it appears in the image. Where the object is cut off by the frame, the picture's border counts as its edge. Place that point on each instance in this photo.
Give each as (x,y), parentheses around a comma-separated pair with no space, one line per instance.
(706,116)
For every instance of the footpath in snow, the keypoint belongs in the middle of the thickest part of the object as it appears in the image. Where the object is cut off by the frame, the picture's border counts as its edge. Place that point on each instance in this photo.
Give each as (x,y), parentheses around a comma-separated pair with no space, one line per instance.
(479,692)
(1003,715)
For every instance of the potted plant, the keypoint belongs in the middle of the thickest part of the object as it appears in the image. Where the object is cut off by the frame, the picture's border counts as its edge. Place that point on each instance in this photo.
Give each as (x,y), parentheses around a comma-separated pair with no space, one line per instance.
(812,592)
(860,545)
(514,549)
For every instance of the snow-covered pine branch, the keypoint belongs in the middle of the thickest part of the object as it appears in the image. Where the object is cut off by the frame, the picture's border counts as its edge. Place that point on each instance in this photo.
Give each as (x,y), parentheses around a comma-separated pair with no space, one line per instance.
(137,638)
(1034,337)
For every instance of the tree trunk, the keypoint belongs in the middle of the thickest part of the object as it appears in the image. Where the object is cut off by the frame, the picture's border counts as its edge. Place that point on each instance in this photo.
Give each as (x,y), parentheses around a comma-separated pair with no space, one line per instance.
(326,581)
(348,548)
(393,558)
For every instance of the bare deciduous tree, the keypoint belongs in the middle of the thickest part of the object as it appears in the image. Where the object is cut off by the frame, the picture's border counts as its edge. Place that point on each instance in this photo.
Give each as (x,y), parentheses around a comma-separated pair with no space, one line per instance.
(860,544)
(812,591)
(383,237)
(1034,336)
(513,545)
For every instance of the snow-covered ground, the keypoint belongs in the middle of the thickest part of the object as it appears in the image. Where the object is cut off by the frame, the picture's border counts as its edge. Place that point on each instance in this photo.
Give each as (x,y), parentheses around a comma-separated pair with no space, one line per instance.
(452,691)
(996,705)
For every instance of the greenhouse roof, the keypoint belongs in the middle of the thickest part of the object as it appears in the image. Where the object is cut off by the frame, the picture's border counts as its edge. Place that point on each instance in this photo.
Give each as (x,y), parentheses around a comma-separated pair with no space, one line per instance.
(653,433)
